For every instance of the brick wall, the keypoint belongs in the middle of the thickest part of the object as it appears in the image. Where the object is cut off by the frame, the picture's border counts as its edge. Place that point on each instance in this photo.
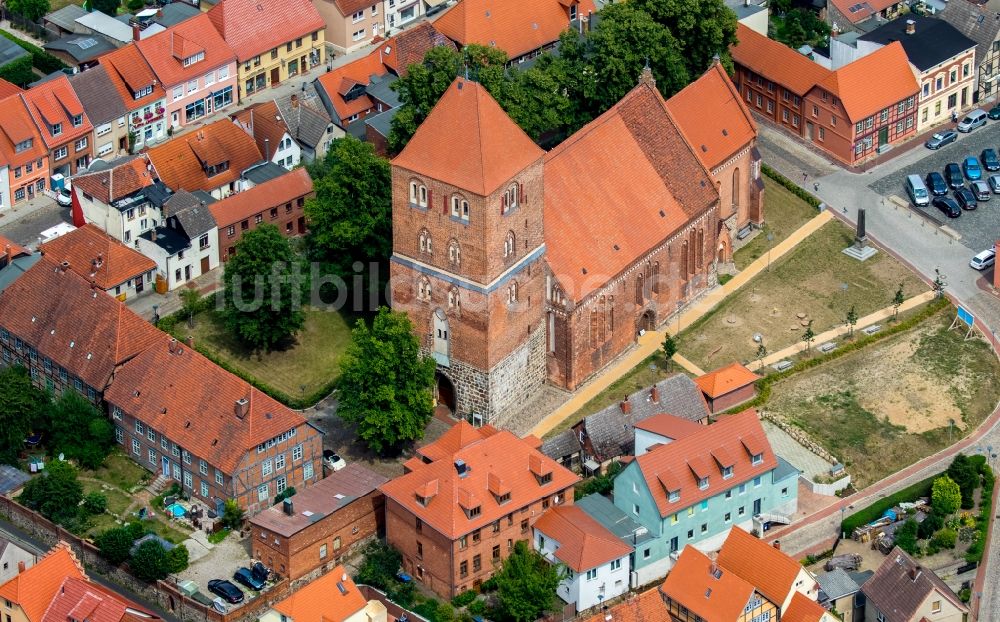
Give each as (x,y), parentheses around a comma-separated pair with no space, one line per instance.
(731,399)
(45,374)
(287,216)
(341,532)
(438,561)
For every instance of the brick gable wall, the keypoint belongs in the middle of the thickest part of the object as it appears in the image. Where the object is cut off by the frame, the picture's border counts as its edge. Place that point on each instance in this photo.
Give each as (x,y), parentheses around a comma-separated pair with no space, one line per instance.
(287,216)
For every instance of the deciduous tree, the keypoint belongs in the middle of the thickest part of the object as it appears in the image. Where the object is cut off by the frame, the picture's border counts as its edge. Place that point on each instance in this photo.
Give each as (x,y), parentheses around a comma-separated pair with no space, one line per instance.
(22,408)
(526,584)
(669,349)
(808,336)
(55,492)
(264,287)
(190,301)
(897,301)
(31,10)
(965,473)
(80,431)
(946,496)
(701,29)
(149,562)
(385,383)
(108,7)
(852,319)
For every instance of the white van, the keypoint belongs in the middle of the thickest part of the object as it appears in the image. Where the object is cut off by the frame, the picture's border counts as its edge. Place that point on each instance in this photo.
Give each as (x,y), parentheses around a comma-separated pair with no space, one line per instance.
(917,190)
(976,118)
(984,259)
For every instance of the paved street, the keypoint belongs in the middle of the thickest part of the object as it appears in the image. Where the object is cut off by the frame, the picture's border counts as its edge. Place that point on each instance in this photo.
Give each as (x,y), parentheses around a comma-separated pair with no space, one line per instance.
(23,223)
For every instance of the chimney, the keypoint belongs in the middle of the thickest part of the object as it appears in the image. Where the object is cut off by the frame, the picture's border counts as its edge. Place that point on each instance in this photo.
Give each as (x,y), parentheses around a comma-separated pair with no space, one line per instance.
(914,573)
(20,567)
(172,345)
(241,407)
(136,32)
(713,569)
(295,100)
(152,234)
(9,253)
(777,544)
(654,394)
(287,506)
(626,406)
(267,149)
(190,341)
(911,26)
(64,266)
(159,13)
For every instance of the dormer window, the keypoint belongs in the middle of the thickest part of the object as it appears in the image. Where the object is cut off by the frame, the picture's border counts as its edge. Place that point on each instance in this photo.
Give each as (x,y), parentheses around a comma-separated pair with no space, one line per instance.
(423,500)
(476,511)
(77,120)
(545,478)
(194,58)
(23,146)
(56,129)
(214,169)
(504,498)
(674,496)
(757,459)
(703,483)
(727,472)
(143,92)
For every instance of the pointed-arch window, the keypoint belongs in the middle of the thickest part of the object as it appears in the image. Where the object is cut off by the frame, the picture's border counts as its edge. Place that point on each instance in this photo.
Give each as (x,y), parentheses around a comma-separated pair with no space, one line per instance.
(424,289)
(509,245)
(512,292)
(454,253)
(424,239)
(454,299)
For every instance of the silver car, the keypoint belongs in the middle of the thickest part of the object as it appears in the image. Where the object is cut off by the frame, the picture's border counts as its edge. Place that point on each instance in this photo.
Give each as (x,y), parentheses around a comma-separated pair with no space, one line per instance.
(982,190)
(994,181)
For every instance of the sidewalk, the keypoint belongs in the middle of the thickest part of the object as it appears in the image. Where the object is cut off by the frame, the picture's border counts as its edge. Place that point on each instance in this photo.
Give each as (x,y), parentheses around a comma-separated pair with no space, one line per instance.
(171,302)
(650,342)
(688,365)
(868,320)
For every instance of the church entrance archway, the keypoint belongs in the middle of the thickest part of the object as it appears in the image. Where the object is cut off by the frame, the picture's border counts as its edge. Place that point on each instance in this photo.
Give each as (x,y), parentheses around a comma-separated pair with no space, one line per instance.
(645,322)
(444,392)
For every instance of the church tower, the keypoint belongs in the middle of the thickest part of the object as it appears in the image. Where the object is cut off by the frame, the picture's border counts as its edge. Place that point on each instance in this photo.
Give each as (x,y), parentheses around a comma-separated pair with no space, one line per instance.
(468,252)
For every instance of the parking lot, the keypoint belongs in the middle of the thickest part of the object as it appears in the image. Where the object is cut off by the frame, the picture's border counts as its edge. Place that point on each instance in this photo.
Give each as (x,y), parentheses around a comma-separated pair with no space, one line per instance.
(979,228)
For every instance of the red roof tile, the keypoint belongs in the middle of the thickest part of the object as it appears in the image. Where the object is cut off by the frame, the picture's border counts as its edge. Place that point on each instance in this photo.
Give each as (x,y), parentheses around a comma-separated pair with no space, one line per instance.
(130,73)
(272,193)
(253,27)
(165,52)
(263,122)
(693,452)
(645,607)
(776,61)
(16,126)
(322,600)
(82,330)
(350,7)
(802,609)
(7,89)
(593,236)
(725,380)
(468,141)
(116,183)
(669,426)
(37,586)
(770,571)
(713,96)
(707,590)
(171,391)
(359,71)
(515,26)
(583,542)
(502,454)
(16,250)
(863,9)
(53,102)
(80,599)
(93,254)
(860,95)
(409,47)
(458,436)
(180,162)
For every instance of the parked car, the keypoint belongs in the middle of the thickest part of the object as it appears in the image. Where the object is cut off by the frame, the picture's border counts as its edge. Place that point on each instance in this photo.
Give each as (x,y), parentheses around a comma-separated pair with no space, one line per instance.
(64,198)
(245,577)
(965,199)
(941,139)
(990,160)
(982,190)
(971,168)
(976,118)
(260,572)
(984,259)
(226,590)
(936,184)
(994,182)
(948,206)
(953,173)
(994,112)
(332,461)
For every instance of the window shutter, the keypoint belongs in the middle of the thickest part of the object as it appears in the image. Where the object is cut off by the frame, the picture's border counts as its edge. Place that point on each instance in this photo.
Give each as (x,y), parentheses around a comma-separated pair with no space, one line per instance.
(430,198)
(524,194)
(444,205)
(503,203)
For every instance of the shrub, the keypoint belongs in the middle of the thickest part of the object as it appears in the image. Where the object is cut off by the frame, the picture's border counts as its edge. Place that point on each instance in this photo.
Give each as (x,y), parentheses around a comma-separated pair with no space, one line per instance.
(875,511)
(95,503)
(18,71)
(602,484)
(42,60)
(232,514)
(136,5)
(115,544)
(464,599)
(149,562)
(906,537)
(931,524)
(946,496)
(945,539)
(477,608)
(725,278)
(380,567)
(177,559)
(790,185)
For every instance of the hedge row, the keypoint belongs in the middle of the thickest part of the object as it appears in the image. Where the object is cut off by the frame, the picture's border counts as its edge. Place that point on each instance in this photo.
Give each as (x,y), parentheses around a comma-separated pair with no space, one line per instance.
(42,60)
(170,324)
(975,550)
(875,511)
(18,72)
(790,185)
(860,341)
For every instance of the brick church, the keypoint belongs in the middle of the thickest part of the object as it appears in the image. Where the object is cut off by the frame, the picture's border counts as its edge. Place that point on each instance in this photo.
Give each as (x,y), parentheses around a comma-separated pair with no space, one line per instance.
(519,266)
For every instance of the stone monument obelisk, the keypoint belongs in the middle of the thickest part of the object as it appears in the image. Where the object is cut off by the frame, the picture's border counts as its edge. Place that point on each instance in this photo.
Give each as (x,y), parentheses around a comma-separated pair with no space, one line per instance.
(860,249)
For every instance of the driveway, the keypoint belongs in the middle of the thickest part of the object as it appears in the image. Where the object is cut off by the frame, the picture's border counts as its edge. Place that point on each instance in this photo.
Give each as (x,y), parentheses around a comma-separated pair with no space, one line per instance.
(221,562)
(23,223)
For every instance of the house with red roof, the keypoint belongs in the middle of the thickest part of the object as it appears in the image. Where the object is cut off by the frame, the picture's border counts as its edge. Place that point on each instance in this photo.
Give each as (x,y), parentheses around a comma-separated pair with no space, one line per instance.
(463,503)
(274,40)
(727,387)
(861,16)
(596,560)
(142,94)
(266,125)
(352,24)
(843,113)
(117,269)
(495,244)
(196,68)
(332,597)
(521,28)
(24,159)
(62,123)
(697,487)
(179,415)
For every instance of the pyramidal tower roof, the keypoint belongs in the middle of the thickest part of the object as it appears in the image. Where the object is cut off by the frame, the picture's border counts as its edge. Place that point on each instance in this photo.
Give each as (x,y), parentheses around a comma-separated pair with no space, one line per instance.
(468,141)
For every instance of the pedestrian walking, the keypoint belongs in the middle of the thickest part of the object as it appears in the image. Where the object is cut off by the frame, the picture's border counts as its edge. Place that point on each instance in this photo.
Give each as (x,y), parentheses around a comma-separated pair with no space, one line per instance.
(816,186)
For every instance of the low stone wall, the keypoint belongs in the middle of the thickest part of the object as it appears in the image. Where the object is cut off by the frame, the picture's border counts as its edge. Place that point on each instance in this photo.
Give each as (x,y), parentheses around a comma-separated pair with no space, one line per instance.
(830,489)
(799,435)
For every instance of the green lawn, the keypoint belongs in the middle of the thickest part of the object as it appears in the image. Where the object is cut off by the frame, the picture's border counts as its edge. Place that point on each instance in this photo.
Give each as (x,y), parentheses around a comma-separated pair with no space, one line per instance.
(119,471)
(783,214)
(815,279)
(888,405)
(304,367)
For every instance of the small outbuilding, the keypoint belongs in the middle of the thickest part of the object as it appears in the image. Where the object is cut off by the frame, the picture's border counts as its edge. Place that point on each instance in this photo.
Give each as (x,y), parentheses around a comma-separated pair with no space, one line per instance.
(727,387)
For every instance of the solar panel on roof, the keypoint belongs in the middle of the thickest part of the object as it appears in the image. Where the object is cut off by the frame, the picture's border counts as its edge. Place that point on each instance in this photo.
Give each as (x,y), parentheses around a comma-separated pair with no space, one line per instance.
(86,43)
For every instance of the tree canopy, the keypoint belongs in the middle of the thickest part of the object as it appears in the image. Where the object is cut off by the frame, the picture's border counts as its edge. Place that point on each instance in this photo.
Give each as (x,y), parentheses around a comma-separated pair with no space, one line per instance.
(964,472)
(32,10)
(80,431)
(946,496)
(264,287)
(385,383)
(55,493)
(526,584)
(22,410)
(149,562)
(108,7)
(350,218)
